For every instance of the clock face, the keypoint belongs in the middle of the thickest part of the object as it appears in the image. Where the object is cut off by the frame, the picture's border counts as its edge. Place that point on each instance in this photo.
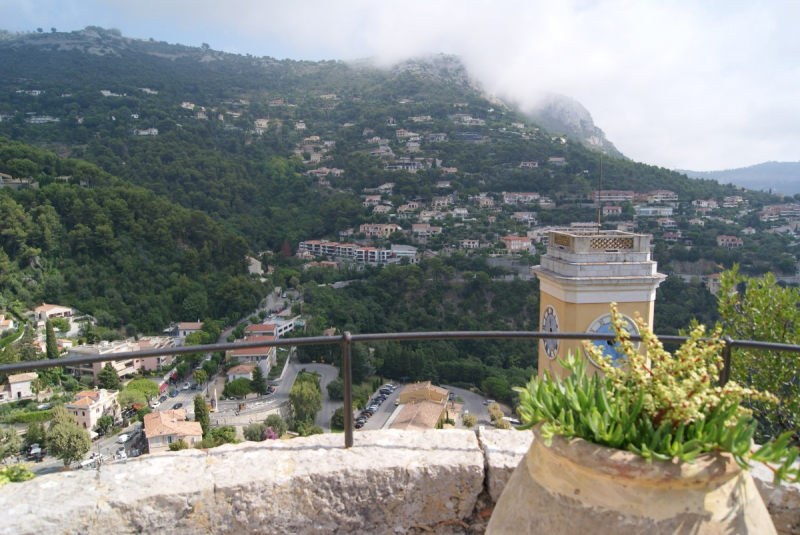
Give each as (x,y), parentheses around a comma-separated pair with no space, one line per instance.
(610,348)
(550,325)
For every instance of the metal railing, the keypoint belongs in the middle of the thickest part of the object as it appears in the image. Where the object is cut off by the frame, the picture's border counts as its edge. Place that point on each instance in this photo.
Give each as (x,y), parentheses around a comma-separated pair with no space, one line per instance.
(347,340)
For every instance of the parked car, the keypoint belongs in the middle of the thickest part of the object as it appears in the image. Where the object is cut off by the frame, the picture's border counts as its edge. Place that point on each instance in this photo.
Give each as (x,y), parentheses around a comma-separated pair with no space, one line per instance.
(187,385)
(178,405)
(195,386)
(489,401)
(173,393)
(155,404)
(359,425)
(162,399)
(122,439)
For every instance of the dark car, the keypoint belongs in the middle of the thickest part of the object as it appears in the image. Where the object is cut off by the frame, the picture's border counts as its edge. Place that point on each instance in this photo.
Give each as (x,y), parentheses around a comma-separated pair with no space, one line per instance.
(178,405)
(173,393)
(359,425)
(162,399)
(194,386)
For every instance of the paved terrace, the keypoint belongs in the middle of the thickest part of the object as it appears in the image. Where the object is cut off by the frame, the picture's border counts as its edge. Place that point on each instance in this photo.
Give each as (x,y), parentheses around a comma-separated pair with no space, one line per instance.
(389,482)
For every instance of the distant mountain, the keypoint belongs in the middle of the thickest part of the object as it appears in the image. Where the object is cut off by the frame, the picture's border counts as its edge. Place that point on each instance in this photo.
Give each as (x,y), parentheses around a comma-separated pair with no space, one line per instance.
(779,177)
(560,114)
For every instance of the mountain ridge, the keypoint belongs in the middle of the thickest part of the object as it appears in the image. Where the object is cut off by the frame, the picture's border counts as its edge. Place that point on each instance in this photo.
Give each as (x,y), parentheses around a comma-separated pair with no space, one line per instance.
(778,177)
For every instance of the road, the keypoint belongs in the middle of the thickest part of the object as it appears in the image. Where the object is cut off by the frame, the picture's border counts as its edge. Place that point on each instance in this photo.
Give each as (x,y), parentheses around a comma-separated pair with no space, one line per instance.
(380,418)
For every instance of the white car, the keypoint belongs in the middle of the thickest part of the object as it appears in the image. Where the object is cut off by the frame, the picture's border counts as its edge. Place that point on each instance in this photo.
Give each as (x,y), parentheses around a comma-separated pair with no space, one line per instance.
(187,386)
(155,404)
(122,439)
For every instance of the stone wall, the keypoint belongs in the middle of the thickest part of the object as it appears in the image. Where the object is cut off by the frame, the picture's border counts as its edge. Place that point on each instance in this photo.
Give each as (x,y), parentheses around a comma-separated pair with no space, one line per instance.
(389,482)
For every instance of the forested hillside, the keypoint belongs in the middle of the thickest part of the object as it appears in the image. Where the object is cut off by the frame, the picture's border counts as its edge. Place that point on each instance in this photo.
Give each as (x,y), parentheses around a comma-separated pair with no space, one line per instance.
(114,250)
(253,182)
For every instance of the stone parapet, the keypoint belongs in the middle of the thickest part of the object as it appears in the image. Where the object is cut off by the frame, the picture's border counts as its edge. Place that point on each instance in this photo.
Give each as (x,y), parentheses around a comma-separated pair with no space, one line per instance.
(387,483)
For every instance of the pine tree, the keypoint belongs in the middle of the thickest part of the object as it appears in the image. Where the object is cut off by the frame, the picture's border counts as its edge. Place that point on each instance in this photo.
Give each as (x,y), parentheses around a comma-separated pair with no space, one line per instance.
(52,343)
(201,413)
(258,384)
(108,378)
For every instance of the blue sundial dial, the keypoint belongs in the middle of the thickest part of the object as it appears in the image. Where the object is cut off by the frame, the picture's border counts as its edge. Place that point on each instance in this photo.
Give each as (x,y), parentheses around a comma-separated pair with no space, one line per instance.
(611,349)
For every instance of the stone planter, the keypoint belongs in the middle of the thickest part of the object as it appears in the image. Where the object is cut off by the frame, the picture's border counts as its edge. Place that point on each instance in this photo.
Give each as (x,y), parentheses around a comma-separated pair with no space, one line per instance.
(574,486)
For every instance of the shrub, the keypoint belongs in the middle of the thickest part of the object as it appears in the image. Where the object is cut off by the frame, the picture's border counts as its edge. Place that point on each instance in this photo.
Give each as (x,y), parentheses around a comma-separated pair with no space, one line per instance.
(178,445)
(469,420)
(28,417)
(254,432)
(501,424)
(277,424)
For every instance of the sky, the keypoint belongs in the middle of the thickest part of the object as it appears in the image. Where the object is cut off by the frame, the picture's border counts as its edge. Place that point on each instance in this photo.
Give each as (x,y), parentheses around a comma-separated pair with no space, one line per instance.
(687,84)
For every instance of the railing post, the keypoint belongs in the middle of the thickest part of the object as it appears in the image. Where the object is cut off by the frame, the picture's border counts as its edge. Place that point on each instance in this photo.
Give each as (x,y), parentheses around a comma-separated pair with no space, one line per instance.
(725,376)
(347,373)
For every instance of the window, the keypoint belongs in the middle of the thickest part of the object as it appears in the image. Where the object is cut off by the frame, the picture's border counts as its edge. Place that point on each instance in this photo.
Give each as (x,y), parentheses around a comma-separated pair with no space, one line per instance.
(170,439)
(157,441)
(83,413)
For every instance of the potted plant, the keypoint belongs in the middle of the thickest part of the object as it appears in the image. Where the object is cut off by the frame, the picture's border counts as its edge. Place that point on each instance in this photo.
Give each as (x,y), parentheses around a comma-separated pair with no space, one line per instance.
(653,446)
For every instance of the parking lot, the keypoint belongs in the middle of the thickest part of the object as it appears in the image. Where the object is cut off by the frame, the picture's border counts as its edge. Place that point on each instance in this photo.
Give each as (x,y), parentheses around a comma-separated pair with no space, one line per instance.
(383,411)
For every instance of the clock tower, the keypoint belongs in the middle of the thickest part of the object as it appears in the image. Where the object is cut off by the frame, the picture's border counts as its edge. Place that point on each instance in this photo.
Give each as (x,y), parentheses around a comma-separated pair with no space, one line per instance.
(581,274)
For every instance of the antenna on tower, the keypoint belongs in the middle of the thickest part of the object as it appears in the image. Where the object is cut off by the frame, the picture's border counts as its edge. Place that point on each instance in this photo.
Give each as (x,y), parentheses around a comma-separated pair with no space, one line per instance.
(599,192)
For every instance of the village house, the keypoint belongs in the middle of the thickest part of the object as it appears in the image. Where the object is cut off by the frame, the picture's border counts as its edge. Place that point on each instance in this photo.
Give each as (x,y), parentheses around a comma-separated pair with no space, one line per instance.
(612,196)
(19,386)
(382,209)
(425,230)
(731,242)
(264,357)
(749,231)
(485,202)
(528,165)
(7,324)
(438,137)
(666,223)
(442,202)
(371,200)
(470,244)
(661,196)
(165,427)
(372,230)
(45,312)
(672,237)
(443,184)
(557,161)
(407,208)
(612,210)
(698,222)
(300,125)
(147,132)
(90,405)
(516,243)
(242,371)
(713,284)
(653,211)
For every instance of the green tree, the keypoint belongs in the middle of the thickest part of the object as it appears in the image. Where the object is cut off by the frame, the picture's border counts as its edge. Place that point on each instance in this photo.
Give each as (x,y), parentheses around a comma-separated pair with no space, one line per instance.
(761,310)
(200,377)
(60,415)
(36,434)
(201,413)
(145,386)
(496,387)
(178,445)
(337,420)
(130,397)
(210,367)
(306,401)
(108,378)
(259,383)
(51,342)
(254,432)
(237,388)
(10,442)
(105,422)
(60,324)
(144,411)
(277,424)
(336,389)
(68,442)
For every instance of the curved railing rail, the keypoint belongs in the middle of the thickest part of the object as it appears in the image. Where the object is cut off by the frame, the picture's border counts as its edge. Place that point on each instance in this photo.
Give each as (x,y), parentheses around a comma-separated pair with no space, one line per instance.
(347,339)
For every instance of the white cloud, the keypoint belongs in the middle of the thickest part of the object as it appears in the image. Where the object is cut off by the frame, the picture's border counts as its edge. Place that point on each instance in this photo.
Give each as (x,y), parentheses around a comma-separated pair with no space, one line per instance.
(680,83)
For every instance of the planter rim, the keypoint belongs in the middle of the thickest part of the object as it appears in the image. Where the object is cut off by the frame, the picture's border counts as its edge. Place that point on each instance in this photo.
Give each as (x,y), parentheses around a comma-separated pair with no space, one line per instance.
(706,468)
